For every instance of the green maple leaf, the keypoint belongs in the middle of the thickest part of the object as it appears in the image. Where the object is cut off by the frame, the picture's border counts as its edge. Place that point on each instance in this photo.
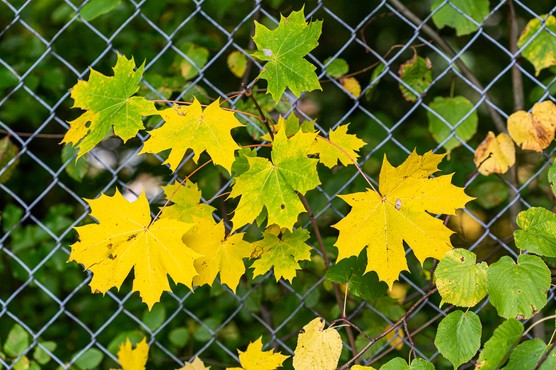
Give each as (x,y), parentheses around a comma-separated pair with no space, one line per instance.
(283,253)
(108,102)
(273,185)
(187,203)
(284,48)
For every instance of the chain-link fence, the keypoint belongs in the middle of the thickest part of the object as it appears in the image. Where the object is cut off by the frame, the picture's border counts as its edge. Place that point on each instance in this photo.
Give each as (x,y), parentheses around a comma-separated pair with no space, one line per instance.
(47,45)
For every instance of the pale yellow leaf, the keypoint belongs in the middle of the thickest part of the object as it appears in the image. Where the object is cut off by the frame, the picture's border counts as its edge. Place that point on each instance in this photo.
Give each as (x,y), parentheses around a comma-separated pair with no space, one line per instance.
(534,131)
(361,367)
(395,337)
(495,154)
(317,348)
(254,358)
(402,212)
(196,364)
(133,359)
(124,239)
(351,85)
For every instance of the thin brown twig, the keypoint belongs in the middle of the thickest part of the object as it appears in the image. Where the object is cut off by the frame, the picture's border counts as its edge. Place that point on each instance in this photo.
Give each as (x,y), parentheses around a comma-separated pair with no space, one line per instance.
(263,118)
(408,334)
(391,328)
(335,287)
(545,356)
(29,134)
(204,105)
(176,191)
(353,325)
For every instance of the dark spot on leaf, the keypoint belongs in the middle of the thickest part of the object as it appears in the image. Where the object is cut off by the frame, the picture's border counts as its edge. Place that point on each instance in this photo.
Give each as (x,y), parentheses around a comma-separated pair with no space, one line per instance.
(109,246)
(519,291)
(131,237)
(302,331)
(462,259)
(534,310)
(282,206)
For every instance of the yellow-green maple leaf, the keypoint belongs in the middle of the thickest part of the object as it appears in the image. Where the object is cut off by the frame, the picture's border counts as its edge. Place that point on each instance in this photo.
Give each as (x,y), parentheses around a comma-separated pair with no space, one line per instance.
(274,185)
(317,348)
(283,253)
(191,127)
(109,102)
(381,222)
(330,154)
(254,358)
(133,359)
(187,203)
(124,239)
(220,254)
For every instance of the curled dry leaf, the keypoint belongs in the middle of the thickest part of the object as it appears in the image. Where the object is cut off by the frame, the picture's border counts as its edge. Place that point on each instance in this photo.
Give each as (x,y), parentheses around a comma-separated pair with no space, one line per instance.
(534,131)
(495,154)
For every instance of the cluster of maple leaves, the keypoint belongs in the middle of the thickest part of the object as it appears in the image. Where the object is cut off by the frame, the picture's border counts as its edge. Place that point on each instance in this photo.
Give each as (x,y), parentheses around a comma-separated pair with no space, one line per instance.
(184,241)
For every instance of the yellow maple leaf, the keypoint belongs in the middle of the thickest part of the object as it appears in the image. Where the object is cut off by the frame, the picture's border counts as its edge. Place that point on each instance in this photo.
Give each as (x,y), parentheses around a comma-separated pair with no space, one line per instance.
(330,154)
(196,364)
(124,239)
(254,358)
(317,348)
(535,130)
(191,127)
(133,359)
(495,154)
(381,222)
(219,254)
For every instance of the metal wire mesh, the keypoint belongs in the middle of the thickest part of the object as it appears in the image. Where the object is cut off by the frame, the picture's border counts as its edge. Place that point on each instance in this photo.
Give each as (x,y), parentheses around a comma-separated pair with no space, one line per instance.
(63,309)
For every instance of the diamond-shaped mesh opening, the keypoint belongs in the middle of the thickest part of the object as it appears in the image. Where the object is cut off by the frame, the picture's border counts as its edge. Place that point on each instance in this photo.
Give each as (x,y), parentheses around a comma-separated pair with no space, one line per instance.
(45,47)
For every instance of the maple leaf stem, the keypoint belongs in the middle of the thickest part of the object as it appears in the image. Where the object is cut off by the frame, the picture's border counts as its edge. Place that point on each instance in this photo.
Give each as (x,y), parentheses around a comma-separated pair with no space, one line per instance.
(391,328)
(351,159)
(175,191)
(249,94)
(335,288)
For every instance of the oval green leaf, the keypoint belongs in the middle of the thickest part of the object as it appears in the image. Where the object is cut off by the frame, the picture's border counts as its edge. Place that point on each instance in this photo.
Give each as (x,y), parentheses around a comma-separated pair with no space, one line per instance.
(460,281)
(446,120)
(497,349)
(518,290)
(337,68)
(459,337)
(538,231)
(416,76)
(451,13)
(528,354)
(17,341)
